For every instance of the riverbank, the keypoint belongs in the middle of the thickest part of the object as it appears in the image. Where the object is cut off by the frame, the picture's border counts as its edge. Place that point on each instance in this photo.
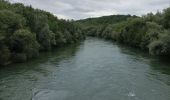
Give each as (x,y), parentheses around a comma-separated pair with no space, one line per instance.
(150,32)
(95,69)
(26,31)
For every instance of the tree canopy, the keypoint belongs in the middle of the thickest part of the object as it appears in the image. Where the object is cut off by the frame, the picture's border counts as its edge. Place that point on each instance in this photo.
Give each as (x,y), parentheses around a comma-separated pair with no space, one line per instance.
(150,32)
(25,31)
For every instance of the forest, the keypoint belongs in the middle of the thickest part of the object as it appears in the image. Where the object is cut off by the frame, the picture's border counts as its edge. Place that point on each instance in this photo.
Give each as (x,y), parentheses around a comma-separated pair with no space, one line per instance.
(25,31)
(84,49)
(150,32)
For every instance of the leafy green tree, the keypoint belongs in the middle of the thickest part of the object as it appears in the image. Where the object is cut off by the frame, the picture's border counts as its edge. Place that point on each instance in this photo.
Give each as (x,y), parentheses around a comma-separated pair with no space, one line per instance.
(10,22)
(4,4)
(4,52)
(24,42)
(161,47)
(39,25)
(167,18)
(149,32)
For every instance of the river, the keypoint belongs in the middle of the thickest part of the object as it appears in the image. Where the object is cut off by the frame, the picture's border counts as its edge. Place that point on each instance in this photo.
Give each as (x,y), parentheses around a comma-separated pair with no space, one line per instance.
(95,69)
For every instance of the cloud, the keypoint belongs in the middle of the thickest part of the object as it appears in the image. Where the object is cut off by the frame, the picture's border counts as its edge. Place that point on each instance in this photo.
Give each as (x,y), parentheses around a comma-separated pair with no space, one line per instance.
(63,6)
(78,9)
(99,13)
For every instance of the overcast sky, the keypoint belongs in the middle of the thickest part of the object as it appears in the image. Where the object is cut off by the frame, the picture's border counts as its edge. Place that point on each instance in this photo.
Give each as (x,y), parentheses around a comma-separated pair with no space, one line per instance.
(80,9)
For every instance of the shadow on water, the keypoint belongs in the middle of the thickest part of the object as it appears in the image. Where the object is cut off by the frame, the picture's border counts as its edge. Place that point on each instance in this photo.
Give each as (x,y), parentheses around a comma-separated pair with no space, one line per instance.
(16,78)
(45,58)
(160,66)
(93,70)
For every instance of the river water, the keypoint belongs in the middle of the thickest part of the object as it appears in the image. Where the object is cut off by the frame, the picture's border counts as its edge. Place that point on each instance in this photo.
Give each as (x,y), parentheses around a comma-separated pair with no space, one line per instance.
(92,70)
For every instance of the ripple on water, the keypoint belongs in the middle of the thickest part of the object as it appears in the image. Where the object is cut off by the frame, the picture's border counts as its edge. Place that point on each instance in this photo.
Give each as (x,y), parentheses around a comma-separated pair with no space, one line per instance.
(131,94)
(46,94)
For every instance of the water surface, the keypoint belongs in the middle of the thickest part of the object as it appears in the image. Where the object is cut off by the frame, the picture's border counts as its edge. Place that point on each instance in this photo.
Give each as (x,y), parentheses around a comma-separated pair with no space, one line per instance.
(92,70)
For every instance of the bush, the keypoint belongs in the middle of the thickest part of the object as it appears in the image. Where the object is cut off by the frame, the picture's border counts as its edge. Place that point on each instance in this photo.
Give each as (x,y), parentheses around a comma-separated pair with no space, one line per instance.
(10,22)
(133,32)
(24,31)
(152,34)
(156,48)
(160,47)
(167,18)
(19,57)
(23,41)
(4,51)
(4,55)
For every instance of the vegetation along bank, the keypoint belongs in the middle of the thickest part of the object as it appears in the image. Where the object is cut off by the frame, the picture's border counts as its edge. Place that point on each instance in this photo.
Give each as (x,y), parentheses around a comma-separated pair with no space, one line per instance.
(25,31)
(150,32)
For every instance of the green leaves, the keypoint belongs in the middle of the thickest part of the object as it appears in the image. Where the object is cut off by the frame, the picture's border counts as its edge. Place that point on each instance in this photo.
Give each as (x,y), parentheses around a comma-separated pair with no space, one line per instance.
(149,32)
(167,18)
(10,22)
(24,31)
(23,41)
(4,54)
(160,47)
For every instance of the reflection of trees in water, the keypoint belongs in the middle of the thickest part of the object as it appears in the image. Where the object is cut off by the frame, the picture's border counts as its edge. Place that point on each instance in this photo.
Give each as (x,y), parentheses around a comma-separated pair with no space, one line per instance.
(63,53)
(24,76)
(39,65)
(160,66)
(134,53)
(157,63)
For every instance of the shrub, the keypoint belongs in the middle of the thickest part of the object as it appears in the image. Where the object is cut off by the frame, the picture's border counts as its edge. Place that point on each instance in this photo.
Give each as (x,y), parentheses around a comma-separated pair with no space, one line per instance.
(19,57)
(4,55)
(167,18)
(10,22)
(23,41)
(161,46)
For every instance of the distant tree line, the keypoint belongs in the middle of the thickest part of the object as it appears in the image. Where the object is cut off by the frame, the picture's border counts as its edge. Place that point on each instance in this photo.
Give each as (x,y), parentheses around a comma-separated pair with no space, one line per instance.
(150,32)
(25,31)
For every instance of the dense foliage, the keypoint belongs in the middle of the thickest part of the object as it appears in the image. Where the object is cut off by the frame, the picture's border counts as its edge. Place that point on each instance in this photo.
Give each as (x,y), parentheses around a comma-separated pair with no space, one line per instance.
(150,32)
(101,25)
(25,31)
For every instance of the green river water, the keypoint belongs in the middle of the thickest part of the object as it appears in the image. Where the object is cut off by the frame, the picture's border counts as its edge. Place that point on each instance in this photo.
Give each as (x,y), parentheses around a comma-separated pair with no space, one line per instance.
(95,69)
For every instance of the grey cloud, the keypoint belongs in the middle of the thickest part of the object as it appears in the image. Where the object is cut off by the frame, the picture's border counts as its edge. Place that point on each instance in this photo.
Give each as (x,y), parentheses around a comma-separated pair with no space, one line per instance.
(81,10)
(78,9)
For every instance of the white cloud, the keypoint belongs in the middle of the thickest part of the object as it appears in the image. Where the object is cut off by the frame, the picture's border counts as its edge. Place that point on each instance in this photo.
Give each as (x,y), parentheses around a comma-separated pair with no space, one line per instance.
(62,16)
(63,6)
(100,13)
(78,9)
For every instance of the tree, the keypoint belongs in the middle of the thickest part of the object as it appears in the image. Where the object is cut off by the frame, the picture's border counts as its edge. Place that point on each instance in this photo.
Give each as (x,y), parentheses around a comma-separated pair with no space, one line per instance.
(24,42)
(25,31)
(4,52)
(161,47)
(167,18)
(10,22)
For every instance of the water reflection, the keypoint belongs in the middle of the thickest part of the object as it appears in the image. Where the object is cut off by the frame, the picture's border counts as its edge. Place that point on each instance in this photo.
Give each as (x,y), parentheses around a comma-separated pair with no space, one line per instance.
(17,81)
(159,66)
(93,70)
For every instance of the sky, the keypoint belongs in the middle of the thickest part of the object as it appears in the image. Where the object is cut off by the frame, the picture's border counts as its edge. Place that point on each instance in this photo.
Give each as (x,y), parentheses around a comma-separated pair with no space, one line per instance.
(80,9)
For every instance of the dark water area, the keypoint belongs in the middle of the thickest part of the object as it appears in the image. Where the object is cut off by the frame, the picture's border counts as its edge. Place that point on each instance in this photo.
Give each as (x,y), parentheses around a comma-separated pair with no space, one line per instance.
(92,70)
